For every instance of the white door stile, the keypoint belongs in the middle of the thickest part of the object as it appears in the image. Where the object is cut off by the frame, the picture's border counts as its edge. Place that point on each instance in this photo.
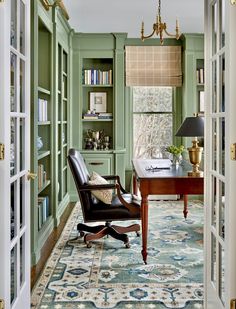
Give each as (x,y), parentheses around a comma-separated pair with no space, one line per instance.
(4,164)
(222,264)
(231,167)
(15,278)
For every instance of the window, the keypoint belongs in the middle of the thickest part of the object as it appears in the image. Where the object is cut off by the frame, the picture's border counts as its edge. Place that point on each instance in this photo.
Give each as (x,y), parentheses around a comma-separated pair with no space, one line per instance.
(152,121)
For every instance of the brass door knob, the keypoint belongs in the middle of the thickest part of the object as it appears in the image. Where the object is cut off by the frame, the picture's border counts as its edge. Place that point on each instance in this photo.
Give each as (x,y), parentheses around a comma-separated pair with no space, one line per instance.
(31,176)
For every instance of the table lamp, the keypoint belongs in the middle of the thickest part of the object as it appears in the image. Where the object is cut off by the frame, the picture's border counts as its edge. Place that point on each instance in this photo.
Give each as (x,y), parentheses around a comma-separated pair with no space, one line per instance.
(193,127)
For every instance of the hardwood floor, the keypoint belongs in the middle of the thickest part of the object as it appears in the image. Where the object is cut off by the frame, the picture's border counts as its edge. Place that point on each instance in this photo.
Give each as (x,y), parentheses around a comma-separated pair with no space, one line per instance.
(49,245)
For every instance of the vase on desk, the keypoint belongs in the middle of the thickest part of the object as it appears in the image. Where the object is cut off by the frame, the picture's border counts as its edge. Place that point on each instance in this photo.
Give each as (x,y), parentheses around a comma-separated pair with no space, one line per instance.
(176,159)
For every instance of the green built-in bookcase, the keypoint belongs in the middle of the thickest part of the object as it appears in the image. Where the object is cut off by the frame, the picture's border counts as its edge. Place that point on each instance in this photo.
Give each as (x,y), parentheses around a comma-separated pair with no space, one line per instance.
(99,87)
(49,134)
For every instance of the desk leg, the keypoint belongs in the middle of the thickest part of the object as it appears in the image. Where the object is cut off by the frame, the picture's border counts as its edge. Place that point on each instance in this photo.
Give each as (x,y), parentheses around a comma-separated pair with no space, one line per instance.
(144,218)
(135,186)
(185,211)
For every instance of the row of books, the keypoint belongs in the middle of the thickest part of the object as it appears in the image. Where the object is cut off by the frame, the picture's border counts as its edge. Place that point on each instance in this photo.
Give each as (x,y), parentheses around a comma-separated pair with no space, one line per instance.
(42,110)
(98,116)
(97,77)
(200,76)
(43,210)
(42,176)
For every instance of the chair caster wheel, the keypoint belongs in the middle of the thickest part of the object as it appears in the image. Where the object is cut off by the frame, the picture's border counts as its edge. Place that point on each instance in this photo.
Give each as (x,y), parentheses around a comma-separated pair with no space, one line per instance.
(138,234)
(81,233)
(127,245)
(88,245)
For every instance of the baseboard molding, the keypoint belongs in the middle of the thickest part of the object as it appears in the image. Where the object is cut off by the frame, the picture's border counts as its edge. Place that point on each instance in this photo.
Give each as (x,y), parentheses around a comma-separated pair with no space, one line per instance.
(73,195)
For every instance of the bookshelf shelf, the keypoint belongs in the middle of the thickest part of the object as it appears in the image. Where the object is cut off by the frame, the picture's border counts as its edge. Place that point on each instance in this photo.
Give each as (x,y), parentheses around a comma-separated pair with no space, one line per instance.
(44,90)
(48,182)
(44,123)
(43,154)
(97,120)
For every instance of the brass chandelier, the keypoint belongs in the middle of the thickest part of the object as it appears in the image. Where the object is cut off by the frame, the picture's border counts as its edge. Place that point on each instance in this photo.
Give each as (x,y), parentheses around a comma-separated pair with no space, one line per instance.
(160,28)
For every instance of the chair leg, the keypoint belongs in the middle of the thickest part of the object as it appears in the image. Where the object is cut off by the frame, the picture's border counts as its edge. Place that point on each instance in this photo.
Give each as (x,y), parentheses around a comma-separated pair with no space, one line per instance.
(88,237)
(127,229)
(90,229)
(121,236)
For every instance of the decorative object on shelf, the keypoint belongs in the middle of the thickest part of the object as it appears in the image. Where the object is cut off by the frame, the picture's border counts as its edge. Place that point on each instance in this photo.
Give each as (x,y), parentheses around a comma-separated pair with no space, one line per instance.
(98,102)
(97,140)
(193,127)
(63,137)
(59,3)
(159,27)
(176,153)
(39,143)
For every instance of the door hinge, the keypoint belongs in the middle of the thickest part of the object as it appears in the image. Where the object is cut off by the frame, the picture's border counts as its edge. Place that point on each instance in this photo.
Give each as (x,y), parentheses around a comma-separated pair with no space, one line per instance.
(2,155)
(233,303)
(1,304)
(233,151)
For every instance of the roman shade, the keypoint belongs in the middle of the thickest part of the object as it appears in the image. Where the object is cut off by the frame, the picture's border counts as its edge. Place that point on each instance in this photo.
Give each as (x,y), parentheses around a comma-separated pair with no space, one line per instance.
(153,66)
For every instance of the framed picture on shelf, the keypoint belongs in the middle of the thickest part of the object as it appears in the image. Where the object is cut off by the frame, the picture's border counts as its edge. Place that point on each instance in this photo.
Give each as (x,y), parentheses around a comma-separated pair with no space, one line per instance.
(98,102)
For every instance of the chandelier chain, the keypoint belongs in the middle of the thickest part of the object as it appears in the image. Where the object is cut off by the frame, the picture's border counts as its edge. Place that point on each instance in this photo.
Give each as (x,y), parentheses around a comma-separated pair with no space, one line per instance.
(159,8)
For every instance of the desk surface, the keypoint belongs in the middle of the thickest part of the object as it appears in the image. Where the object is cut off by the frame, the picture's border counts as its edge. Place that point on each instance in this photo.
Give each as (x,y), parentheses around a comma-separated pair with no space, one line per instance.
(148,169)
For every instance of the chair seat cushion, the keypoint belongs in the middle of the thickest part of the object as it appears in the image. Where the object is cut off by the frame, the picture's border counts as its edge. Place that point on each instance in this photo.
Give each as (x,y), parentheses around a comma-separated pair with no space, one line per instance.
(115,211)
(103,195)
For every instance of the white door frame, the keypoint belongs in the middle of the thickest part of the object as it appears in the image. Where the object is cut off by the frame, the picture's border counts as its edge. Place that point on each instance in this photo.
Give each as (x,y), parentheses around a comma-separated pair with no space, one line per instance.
(212,299)
(21,231)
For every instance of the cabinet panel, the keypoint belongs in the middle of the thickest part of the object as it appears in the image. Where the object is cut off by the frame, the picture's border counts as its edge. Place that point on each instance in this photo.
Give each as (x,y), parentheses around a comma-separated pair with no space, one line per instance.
(103,165)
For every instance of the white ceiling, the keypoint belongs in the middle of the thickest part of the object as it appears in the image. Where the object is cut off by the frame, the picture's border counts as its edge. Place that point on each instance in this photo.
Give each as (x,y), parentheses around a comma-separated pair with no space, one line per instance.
(126,15)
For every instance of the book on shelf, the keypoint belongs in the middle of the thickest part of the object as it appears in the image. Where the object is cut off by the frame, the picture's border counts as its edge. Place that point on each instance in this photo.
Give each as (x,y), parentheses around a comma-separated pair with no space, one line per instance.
(42,110)
(43,209)
(200,76)
(201,101)
(90,116)
(42,176)
(97,77)
(105,116)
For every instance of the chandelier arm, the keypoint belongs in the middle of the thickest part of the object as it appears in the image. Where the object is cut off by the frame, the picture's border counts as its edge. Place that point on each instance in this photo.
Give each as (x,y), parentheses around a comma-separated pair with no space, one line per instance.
(171,35)
(148,36)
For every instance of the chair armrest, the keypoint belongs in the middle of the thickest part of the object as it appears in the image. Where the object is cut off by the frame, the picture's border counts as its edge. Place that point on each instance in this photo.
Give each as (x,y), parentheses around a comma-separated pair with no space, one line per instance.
(117,178)
(130,207)
(97,187)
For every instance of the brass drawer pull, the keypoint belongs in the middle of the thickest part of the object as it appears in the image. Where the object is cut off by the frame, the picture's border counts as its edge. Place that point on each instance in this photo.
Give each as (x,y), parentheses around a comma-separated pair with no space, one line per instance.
(96,163)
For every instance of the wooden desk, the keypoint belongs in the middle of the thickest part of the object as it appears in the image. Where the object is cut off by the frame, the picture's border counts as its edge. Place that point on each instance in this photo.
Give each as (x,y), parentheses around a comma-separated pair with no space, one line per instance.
(163,181)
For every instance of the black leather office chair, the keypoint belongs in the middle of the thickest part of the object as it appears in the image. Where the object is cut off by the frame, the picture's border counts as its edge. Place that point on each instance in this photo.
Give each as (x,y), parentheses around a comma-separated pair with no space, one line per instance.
(123,206)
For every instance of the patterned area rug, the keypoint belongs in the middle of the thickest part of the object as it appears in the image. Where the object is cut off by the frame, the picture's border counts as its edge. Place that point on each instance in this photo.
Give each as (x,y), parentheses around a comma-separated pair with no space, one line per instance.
(110,276)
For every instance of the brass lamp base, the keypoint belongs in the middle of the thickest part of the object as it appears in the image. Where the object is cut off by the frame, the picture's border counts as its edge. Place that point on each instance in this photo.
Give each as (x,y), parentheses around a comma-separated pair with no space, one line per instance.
(195,156)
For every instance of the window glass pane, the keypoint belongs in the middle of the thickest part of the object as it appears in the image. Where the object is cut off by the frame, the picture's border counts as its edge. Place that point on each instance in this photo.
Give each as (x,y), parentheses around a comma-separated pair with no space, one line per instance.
(13,209)
(22,144)
(152,99)
(13,83)
(22,260)
(213,259)
(213,207)
(214,87)
(22,201)
(221,209)
(13,274)
(13,147)
(13,35)
(22,86)
(214,28)
(22,27)
(222,273)
(222,23)
(151,134)
(221,154)
(214,144)
(222,94)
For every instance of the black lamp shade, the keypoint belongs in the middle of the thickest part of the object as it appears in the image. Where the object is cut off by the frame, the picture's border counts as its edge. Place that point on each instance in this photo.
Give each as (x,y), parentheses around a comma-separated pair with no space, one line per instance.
(192,126)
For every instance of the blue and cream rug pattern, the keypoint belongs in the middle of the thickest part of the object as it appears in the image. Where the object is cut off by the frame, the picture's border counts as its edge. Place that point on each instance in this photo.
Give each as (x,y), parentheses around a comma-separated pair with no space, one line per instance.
(110,276)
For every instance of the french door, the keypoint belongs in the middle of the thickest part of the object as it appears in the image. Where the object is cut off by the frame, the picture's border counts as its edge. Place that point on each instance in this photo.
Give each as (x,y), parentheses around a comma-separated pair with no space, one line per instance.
(15,153)
(220,180)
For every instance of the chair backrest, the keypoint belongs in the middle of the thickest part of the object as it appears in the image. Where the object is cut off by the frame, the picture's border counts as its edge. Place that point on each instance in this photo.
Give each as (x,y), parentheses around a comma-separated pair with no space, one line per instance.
(81,177)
